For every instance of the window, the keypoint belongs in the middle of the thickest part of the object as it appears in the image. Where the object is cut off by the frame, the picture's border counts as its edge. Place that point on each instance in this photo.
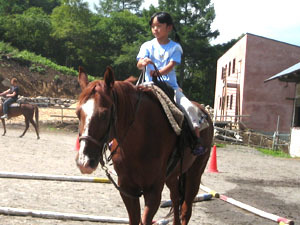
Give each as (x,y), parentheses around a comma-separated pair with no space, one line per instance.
(231,99)
(233,66)
(223,73)
(227,101)
(297,113)
(224,70)
(297,117)
(229,68)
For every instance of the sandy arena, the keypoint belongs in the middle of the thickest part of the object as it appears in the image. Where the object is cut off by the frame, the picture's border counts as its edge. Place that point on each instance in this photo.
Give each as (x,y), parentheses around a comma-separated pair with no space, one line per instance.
(267,183)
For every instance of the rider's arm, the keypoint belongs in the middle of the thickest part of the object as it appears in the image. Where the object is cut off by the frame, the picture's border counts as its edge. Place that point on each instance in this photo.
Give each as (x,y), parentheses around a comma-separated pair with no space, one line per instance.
(11,95)
(165,70)
(5,92)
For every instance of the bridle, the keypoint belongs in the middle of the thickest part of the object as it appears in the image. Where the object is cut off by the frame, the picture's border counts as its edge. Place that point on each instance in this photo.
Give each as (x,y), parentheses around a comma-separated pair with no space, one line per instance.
(105,139)
(103,142)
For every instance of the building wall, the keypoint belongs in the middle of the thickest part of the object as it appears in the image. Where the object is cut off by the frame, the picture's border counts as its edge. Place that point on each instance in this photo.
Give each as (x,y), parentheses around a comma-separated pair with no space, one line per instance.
(261,103)
(237,53)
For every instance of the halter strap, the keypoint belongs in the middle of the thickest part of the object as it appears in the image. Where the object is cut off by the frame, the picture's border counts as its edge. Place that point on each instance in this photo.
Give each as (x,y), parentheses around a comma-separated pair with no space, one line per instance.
(91,139)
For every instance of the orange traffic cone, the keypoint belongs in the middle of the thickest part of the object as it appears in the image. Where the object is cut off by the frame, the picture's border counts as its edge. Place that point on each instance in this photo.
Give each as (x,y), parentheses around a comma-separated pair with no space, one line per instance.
(213,161)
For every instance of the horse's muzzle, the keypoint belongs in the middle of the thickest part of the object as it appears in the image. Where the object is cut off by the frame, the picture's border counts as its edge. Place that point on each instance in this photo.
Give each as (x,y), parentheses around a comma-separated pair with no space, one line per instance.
(85,164)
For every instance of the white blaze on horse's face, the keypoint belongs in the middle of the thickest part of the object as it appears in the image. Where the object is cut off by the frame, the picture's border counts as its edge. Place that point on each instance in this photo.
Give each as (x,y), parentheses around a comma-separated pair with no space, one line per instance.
(88,109)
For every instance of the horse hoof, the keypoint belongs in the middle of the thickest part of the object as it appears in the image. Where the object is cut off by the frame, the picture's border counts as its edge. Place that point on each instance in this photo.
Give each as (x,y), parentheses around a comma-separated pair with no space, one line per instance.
(21,136)
(38,138)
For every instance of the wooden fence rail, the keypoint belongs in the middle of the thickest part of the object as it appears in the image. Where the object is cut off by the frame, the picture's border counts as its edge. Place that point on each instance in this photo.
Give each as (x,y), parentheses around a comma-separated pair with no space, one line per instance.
(62,115)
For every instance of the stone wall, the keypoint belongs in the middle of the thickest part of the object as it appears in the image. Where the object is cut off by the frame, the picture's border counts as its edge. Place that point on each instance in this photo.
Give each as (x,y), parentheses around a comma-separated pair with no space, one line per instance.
(47,101)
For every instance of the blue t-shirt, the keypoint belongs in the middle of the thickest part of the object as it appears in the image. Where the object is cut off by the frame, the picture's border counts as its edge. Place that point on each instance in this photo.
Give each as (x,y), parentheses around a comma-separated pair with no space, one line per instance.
(161,55)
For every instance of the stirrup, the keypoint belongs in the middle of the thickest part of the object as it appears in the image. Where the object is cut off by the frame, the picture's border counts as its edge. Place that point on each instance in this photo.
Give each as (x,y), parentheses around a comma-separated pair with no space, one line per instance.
(199,149)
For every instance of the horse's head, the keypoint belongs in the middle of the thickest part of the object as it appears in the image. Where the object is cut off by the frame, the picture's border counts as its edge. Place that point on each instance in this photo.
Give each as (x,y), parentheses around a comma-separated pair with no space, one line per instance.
(95,112)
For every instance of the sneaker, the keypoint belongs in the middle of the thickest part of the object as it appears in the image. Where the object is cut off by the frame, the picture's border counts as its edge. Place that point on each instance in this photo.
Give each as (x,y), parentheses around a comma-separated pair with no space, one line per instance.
(4,116)
(199,149)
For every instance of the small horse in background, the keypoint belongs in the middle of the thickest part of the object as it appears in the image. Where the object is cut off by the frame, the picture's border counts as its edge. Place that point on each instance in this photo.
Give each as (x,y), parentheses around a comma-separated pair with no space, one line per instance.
(143,144)
(28,111)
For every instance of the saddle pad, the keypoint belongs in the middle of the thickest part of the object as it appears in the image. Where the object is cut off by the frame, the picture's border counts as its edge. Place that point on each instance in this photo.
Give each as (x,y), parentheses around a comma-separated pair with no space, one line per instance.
(174,115)
(15,105)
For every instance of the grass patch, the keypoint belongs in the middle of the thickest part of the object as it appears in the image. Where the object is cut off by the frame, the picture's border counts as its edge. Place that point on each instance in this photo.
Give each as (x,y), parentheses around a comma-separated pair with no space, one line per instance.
(36,60)
(219,145)
(275,153)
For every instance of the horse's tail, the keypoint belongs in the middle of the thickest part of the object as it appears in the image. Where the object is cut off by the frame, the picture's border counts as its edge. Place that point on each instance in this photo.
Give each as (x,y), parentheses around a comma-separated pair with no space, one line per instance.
(36,112)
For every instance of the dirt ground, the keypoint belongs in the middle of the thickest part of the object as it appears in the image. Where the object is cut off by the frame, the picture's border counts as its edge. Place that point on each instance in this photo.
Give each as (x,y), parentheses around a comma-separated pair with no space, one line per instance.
(267,183)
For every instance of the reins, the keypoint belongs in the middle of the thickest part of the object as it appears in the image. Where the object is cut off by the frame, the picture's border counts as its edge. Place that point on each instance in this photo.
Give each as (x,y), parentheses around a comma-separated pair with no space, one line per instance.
(120,141)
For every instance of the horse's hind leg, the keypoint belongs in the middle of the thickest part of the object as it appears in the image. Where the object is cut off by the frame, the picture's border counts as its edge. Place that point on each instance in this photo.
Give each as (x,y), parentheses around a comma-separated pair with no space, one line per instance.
(26,127)
(35,127)
(4,127)
(193,179)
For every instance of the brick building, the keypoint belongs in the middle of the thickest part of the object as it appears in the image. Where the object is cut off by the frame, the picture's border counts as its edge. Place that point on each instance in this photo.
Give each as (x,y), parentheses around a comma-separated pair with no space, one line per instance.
(241,94)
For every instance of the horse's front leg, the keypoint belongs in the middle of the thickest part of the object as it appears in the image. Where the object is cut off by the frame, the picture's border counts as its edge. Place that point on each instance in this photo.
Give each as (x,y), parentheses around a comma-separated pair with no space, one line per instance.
(133,209)
(152,201)
(4,127)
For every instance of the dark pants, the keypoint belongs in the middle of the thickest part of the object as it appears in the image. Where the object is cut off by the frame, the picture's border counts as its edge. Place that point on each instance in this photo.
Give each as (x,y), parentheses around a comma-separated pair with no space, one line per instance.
(6,104)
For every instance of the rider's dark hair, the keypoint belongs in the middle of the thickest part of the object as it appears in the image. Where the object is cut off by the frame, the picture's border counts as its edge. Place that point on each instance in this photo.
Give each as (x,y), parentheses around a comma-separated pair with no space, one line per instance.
(164,17)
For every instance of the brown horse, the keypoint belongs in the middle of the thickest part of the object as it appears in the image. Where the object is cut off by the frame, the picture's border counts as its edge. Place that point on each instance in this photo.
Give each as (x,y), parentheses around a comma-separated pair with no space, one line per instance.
(28,111)
(110,109)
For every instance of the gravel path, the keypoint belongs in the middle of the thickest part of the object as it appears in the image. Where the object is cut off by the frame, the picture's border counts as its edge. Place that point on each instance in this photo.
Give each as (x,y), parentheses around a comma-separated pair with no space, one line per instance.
(268,183)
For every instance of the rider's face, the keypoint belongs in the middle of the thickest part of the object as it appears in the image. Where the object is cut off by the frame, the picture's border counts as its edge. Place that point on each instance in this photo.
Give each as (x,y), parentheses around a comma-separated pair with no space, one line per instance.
(160,30)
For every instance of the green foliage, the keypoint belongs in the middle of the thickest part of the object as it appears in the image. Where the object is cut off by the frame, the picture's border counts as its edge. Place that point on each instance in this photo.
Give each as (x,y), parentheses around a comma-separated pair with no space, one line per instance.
(37,68)
(65,34)
(275,153)
(56,77)
(29,30)
(109,6)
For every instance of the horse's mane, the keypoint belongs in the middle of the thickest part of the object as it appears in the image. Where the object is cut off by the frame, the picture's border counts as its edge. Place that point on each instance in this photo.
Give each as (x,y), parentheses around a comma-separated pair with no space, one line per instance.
(123,90)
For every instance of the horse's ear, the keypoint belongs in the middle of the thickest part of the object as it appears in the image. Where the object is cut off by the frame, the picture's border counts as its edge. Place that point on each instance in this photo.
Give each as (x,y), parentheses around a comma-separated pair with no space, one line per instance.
(109,77)
(82,78)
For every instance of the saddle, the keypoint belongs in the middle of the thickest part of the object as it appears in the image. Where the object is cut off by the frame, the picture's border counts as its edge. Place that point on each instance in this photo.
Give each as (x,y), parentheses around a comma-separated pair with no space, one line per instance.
(186,136)
(178,121)
(173,113)
(15,105)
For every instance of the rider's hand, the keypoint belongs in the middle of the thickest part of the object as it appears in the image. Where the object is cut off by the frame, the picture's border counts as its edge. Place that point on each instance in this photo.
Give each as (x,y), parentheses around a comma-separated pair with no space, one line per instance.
(145,61)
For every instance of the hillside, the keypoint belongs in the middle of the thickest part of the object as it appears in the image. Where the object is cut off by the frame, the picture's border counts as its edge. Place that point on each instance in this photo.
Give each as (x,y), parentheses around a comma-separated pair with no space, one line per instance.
(37,80)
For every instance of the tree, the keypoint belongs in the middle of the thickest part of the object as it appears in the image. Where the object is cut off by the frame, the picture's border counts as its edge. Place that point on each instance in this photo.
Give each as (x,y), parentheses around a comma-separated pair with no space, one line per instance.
(46,5)
(19,6)
(71,24)
(109,6)
(193,20)
(13,6)
(30,30)
(119,39)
